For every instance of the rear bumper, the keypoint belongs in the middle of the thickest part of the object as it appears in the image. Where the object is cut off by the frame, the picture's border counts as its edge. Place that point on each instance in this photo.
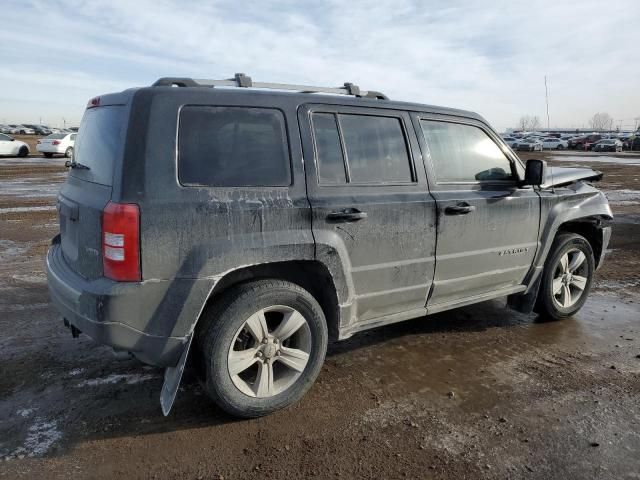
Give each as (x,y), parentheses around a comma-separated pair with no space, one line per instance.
(89,305)
(50,149)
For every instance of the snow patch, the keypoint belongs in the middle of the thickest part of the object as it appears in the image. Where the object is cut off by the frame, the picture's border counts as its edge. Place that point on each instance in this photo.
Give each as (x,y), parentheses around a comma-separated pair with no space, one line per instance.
(25,412)
(596,159)
(20,307)
(75,372)
(42,435)
(37,278)
(44,208)
(623,197)
(128,378)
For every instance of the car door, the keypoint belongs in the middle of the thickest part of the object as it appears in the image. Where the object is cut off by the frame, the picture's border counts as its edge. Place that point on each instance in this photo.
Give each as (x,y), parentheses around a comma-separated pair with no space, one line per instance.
(487,225)
(372,214)
(6,146)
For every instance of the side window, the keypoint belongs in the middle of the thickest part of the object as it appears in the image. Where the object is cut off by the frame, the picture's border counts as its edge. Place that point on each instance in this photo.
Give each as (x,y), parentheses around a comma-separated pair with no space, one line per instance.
(464,153)
(4,138)
(328,148)
(232,147)
(73,137)
(376,149)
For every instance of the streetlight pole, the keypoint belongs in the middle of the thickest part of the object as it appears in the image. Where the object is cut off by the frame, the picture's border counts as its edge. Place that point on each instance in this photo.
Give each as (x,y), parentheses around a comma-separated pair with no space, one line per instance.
(546,94)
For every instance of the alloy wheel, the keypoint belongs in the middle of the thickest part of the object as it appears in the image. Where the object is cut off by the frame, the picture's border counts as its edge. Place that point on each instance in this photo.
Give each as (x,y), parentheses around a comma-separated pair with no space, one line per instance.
(269,351)
(570,278)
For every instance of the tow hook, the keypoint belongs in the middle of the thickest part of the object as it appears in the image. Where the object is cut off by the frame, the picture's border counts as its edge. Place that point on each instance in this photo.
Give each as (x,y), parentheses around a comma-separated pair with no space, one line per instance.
(75,331)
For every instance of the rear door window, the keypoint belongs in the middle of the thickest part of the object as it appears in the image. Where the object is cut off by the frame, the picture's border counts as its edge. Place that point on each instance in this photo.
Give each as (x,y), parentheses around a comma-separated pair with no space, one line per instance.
(360,149)
(376,149)
(99,143)
(232,147)
(328,148)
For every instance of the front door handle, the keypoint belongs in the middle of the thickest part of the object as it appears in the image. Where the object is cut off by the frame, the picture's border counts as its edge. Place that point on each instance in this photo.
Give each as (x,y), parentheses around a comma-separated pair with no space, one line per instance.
(460,209)
(346,215)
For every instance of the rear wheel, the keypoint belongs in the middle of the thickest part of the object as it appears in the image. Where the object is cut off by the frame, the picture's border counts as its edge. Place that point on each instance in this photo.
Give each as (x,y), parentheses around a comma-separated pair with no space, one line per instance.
(567,277)
(23,152)
(69,152)
(262,346)
(560,147)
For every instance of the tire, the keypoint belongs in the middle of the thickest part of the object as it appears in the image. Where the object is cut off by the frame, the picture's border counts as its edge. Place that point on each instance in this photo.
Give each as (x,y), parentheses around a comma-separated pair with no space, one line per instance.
(557,306)
(47,154)
(225,330)
(68,152)
(560,147)
(23,152)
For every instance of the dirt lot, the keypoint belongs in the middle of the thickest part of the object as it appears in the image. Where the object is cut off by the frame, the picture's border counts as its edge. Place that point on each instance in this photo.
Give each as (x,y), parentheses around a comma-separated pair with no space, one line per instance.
(481,392)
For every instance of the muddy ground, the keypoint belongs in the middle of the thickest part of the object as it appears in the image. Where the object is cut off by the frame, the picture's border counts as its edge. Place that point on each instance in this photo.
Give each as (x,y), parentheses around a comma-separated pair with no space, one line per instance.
(480,392)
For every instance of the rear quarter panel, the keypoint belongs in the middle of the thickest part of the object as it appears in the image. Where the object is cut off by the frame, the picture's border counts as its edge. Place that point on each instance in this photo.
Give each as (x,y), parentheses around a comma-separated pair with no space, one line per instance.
(192,236)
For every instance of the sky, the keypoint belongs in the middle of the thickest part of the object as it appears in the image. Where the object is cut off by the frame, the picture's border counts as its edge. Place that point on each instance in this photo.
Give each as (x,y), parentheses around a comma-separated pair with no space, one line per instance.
(487,56)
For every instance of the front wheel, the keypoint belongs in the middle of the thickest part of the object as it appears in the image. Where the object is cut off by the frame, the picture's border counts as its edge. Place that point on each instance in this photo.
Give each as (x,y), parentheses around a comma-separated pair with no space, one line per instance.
(567,277)
(262,346)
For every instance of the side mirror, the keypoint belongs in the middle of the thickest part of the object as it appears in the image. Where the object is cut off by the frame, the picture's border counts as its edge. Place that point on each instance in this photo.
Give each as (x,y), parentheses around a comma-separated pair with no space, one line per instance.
(535,172)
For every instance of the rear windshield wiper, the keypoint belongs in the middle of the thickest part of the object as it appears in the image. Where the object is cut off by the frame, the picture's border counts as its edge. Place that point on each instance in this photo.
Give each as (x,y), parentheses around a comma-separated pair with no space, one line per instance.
(74,164)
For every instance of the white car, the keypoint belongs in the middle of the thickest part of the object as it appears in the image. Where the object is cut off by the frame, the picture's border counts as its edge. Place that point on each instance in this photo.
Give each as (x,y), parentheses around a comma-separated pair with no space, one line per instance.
(61,143)
(13,147)
(551,143)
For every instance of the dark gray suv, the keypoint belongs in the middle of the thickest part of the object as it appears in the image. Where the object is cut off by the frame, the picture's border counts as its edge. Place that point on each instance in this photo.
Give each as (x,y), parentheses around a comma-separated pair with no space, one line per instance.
(242,225)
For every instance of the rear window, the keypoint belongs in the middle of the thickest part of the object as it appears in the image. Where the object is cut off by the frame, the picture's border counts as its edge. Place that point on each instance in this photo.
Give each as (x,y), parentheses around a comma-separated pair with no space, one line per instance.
(232,147)
(98,143)
(56,136)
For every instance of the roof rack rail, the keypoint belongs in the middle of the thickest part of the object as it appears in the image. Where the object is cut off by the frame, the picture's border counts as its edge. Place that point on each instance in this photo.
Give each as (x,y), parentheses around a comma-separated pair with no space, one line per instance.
(244,81)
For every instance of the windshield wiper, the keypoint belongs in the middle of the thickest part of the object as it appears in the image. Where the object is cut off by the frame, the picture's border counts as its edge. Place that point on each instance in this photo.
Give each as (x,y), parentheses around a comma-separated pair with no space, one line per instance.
(74,164)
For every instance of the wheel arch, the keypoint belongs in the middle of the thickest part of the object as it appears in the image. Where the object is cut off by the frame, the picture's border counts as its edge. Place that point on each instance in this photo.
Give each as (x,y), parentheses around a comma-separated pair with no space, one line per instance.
(590,229)
(312,275)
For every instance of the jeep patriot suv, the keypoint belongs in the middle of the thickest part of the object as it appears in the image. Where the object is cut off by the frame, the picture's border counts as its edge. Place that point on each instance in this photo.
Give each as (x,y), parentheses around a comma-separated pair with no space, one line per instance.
(242,225)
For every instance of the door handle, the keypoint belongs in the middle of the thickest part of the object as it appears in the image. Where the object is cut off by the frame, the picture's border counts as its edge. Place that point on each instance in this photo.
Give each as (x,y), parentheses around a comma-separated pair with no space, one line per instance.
(459,209)
(346,215)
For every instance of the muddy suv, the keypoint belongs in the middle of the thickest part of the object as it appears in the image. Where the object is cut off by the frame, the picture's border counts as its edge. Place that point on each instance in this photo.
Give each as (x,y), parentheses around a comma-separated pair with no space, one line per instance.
(242,225)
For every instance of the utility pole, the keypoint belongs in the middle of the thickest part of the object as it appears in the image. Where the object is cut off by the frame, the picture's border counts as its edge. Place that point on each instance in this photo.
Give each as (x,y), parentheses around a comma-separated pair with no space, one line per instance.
(546,94)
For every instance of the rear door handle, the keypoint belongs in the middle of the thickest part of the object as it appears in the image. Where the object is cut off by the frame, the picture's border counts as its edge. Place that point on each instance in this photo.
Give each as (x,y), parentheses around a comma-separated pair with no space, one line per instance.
(346,215)
(459,209)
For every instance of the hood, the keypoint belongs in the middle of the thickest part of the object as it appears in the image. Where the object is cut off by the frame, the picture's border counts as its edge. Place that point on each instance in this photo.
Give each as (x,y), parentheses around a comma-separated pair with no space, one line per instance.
(559,176)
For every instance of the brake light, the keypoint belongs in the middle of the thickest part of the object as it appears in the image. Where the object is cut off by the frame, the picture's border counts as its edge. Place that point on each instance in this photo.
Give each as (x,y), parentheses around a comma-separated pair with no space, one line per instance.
(55,142)
(121,242)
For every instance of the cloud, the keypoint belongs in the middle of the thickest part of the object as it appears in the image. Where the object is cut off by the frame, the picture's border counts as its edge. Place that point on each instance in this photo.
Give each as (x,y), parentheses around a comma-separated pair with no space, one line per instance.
(490,57)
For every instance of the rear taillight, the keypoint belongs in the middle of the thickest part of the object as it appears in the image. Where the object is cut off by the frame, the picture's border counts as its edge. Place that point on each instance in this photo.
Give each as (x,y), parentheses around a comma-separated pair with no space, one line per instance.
(121,242)
(56,142)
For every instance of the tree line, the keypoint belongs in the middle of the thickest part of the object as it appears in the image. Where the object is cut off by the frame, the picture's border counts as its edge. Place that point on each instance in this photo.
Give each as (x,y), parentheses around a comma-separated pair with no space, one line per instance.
(600,121)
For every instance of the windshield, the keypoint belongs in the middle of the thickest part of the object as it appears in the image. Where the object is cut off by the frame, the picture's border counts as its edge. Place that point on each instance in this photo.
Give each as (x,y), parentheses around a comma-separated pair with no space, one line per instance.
(99,142)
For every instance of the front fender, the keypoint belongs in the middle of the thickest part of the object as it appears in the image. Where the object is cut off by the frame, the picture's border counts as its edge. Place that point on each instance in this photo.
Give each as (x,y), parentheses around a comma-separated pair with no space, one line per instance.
(576,202)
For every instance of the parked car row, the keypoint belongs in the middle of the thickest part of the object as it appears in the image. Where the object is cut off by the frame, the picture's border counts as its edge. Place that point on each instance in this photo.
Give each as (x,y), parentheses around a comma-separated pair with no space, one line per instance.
(534,141)
(33,129)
